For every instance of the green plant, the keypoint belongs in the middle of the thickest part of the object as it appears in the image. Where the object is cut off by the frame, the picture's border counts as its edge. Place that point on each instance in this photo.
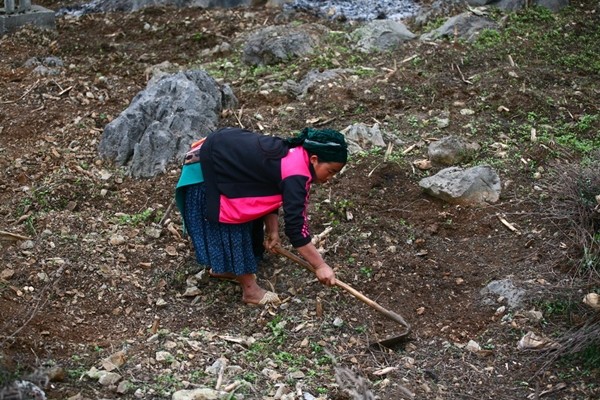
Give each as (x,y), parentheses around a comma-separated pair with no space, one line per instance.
(555,307)
(136,219)
(488,38)
(366,271)
(250,377)
(361,329)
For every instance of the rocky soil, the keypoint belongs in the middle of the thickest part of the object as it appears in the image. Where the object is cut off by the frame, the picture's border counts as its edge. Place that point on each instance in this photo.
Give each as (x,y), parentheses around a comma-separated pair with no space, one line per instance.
(102,293)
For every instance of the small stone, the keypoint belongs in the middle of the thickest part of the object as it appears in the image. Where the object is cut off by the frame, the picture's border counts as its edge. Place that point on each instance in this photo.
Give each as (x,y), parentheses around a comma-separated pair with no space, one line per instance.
(297,375)
(161,302)
(195,394)
(170,345)
(191,291)
(26,245)
(124,387)
(164,356)
(153,232)
(6,274)
(271,374)
(109,378)
(473,346)
(116,240)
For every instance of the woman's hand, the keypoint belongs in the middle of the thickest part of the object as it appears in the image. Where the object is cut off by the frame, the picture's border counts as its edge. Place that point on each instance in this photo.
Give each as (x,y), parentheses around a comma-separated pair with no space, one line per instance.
(325,274)
(271,241)
(272,228)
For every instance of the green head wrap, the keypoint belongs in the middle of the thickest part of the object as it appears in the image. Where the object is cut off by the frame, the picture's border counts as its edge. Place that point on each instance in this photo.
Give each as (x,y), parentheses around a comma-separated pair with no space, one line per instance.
(327,144)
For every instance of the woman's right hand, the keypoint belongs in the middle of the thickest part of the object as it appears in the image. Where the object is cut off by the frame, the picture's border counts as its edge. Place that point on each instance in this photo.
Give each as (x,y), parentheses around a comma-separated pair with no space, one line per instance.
(325,274)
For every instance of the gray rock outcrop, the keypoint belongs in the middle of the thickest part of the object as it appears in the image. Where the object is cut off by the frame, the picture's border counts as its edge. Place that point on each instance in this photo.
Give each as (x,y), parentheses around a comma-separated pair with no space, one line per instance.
(280,43)
(103,6)
(163,120)
(361,136)
(312,78)
(474,186)
(466,26)
(513,5)
(506,289)
(451,150)
(381,35)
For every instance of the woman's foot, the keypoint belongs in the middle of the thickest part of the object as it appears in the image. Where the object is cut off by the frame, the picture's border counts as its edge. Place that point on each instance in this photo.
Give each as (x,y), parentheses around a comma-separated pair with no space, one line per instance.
(254,294)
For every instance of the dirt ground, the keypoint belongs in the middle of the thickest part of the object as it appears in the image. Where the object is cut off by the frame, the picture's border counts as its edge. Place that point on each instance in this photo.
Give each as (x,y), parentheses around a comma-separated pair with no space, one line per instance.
(96,279)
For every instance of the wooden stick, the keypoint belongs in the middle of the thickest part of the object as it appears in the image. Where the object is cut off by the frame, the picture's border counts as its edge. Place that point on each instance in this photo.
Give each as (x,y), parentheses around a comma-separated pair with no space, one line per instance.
(12,237)
(24,94)
(167,213)
(462,76)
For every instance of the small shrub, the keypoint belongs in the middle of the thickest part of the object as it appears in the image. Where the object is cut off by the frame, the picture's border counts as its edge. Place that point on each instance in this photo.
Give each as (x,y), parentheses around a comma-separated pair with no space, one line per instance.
(575,208)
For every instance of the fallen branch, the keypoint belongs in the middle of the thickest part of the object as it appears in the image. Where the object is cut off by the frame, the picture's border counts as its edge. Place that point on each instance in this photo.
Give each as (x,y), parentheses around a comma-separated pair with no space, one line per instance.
(239,117)
(508,225)
(165,217)
(409,149)
(317,238)
(24,94)
(462,77)
(12,237)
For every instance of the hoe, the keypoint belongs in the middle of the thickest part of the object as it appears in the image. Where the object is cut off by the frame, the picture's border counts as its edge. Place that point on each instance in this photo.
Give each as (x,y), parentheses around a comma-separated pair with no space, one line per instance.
(389,342)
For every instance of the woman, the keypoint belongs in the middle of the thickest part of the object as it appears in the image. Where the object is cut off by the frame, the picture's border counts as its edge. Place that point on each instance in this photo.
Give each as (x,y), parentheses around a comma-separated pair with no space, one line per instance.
(234,181)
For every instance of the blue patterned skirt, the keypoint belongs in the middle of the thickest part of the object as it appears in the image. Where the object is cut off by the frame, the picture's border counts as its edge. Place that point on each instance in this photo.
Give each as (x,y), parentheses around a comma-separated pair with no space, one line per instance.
(226,248)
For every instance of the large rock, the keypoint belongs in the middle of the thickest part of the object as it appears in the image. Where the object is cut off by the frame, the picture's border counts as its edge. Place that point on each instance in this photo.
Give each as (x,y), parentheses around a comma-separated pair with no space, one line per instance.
(513,5)
(477,185)
(163,120)
(311,79)
(466,26)
(362,10)
(382,35)
(280,43)
(504,288)
(360,137)
(103,6)
(451,150)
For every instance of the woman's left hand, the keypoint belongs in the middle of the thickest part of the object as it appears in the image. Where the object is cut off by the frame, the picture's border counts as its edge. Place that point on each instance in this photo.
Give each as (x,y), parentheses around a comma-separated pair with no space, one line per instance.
(271,241)
(272,229)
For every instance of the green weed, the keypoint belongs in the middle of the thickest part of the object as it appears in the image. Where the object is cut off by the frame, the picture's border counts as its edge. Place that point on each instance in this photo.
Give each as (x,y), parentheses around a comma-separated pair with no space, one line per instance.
(366,271)
(139,218)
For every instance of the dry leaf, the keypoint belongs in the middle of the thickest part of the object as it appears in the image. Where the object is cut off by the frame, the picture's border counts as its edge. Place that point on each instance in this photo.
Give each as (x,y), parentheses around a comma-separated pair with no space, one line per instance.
(422,164)
(531,341)
(114,361)
(170,250)
(592,300)
(384,371)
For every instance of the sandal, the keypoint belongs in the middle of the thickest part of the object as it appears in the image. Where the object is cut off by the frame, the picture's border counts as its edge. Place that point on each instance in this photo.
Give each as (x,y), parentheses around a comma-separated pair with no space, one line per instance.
(269,298)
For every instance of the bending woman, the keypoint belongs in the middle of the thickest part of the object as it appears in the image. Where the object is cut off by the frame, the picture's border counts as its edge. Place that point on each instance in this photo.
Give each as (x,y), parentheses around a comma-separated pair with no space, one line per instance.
(232,185)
